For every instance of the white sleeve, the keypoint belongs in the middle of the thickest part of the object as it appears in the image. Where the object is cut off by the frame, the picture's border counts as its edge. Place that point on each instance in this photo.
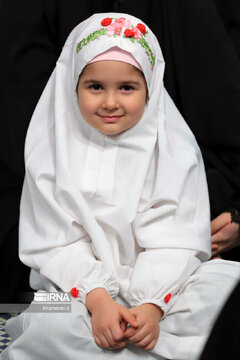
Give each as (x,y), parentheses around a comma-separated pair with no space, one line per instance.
(173,229)
(55,245)
(159,275)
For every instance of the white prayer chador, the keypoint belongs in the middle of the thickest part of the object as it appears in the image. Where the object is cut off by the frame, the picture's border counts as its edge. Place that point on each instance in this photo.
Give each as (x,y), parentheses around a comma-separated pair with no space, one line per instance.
(127,213)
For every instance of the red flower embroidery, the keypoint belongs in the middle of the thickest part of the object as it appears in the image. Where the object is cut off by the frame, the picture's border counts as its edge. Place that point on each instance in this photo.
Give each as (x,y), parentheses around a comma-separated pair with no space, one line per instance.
(106,21)
(128,33)
(167,298)
(142,28)
(74,292)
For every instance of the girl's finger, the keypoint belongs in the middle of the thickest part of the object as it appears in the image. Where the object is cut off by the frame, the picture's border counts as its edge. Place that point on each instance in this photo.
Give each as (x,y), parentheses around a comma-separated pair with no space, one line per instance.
(103,341)
(129,317)
(140,335)
(130,332)
(151,345)
(117,338)
(123,325)
(97,341)
(145,341)
(108,336)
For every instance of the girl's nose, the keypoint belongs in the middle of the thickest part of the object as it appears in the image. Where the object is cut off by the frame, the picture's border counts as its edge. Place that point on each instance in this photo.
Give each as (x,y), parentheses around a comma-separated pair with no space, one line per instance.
(110,101)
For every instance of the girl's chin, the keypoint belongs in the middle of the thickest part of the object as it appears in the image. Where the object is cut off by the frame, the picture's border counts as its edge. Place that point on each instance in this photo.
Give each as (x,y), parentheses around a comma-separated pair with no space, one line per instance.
(111,129)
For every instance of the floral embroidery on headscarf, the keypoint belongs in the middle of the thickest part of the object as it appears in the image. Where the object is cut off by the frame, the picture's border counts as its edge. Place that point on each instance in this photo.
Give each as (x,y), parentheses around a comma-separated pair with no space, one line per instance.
(106,21)
(117,27)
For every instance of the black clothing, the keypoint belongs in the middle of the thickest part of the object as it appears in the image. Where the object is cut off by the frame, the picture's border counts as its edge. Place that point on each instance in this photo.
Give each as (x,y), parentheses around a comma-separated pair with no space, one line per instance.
(230,14)
(202,76)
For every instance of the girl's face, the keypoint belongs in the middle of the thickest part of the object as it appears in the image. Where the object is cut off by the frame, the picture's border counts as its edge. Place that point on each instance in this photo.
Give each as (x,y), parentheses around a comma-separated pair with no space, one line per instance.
(111,96)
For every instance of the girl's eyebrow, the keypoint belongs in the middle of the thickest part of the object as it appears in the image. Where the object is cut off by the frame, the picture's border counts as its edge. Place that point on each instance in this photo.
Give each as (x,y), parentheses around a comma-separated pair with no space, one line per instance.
(133,82)
(91,81)
(119,82)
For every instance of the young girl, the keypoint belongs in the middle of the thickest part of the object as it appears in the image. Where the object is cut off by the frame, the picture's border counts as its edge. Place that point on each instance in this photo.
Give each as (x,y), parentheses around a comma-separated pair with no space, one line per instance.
(115,208)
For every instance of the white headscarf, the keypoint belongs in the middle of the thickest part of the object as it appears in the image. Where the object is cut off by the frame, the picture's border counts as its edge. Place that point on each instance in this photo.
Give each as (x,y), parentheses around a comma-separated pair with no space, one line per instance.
(128,213)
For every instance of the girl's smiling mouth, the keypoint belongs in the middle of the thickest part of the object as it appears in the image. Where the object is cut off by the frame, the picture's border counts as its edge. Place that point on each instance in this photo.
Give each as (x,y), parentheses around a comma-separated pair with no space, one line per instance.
(110,119)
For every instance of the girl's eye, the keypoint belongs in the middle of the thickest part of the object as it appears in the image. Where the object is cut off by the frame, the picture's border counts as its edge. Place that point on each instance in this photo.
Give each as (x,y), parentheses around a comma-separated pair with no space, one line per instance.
(96,87)
(127,87)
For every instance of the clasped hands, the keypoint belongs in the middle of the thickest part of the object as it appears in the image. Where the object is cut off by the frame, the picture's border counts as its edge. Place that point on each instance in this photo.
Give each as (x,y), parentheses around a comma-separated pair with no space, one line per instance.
(110,320)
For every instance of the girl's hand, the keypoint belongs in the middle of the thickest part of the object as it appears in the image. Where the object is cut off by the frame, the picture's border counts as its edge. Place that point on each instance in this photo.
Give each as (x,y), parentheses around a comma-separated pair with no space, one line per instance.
(225,235)
(147,333)
(108,319)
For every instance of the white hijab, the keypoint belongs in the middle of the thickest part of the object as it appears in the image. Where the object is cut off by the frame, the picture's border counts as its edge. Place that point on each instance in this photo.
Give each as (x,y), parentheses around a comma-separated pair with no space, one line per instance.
(92,203)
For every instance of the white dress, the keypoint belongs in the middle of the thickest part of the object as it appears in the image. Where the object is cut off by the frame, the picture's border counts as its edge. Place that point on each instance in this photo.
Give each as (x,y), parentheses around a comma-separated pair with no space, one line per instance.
(128,213)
